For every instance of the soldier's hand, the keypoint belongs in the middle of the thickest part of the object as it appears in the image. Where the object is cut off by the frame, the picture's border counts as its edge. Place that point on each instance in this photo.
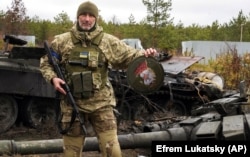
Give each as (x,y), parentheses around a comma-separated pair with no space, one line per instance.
(150,52)
(57,82)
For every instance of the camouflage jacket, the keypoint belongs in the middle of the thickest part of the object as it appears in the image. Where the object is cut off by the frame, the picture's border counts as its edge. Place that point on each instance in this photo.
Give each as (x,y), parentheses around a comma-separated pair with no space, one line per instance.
(117,54)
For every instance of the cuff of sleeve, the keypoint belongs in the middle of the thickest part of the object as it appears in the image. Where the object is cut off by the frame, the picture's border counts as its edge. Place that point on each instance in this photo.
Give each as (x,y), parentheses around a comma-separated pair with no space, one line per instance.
(51,80)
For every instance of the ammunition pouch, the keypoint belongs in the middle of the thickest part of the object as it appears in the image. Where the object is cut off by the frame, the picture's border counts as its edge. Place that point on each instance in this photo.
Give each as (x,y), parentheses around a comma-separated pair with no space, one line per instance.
(82,84)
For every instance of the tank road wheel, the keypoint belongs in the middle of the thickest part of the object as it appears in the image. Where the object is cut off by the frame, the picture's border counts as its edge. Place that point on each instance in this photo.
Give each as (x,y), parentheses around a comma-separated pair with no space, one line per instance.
(8,112)
(176,108)
(41,113)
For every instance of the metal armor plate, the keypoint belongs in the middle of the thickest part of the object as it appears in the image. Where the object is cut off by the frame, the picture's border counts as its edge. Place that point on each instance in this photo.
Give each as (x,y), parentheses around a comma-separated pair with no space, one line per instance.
(145,74)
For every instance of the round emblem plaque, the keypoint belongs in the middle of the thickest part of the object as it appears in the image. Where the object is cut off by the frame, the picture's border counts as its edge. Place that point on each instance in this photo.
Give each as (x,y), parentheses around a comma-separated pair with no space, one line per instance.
(145,74)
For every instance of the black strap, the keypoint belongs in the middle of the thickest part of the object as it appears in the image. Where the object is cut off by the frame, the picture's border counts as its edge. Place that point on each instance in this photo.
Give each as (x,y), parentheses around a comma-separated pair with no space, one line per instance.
(64,131)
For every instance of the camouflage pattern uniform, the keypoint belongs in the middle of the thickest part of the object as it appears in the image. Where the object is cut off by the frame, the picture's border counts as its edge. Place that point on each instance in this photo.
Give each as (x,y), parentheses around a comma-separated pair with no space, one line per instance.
(98,109)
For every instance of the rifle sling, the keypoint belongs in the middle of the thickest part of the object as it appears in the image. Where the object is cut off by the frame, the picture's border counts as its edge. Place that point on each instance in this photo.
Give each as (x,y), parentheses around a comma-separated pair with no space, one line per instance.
(64,131)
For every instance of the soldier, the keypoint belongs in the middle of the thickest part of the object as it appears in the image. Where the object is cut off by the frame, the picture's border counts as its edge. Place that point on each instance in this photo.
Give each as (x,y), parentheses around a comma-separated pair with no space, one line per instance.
(85,53)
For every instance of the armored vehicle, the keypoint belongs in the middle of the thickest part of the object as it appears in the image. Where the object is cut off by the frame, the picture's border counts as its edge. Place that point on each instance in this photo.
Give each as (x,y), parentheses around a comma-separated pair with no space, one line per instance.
(180,92)
(24,94)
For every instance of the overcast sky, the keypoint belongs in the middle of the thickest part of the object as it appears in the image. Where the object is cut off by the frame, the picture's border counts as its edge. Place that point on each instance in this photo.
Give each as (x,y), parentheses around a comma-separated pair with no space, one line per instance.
(201,12)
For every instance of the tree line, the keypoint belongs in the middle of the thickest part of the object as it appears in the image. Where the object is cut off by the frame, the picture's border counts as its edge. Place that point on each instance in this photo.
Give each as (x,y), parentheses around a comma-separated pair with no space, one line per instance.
(156,30)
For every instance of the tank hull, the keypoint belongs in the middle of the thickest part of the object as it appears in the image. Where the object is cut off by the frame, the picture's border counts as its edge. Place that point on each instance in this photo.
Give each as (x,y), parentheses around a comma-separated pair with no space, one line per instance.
(23,88)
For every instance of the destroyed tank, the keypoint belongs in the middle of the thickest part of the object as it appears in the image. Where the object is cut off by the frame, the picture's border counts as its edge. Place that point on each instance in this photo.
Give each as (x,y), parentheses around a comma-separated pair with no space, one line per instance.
(24,94)
(180,92)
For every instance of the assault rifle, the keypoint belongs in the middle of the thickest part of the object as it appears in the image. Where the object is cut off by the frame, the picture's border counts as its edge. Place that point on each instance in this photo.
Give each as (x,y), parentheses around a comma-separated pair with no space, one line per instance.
(70,97)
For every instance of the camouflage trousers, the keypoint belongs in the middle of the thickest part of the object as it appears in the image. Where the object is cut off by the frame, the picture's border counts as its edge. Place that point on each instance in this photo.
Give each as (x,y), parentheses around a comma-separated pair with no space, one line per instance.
(103,122)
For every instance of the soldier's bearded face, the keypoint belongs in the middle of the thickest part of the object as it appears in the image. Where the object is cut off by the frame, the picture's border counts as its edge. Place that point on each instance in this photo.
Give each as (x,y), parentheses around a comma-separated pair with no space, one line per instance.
(86,21)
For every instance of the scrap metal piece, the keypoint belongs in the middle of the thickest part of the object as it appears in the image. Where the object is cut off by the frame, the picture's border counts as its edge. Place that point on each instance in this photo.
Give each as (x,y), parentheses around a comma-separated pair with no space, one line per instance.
(177,64)
(233,128)
(209,130)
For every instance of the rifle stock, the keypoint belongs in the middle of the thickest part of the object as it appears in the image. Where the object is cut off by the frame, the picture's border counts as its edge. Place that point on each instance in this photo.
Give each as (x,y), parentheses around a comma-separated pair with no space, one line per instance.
(70,97)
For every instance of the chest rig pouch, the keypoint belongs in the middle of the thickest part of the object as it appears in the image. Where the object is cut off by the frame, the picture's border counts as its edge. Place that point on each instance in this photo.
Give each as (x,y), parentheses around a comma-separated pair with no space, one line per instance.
(86,69)
(81,84)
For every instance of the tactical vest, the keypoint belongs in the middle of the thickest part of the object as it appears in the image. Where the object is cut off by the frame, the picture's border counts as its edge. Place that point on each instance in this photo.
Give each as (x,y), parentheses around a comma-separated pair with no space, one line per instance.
(86,68)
